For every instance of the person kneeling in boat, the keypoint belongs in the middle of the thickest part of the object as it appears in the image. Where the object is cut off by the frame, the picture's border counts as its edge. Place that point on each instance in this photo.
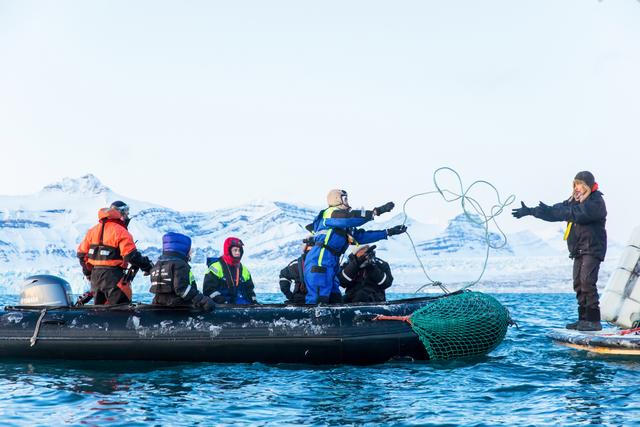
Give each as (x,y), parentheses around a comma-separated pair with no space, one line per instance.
(228,281)
(294,272)
(365,276)
(586,214)
(172,281)
(334,230)
(105,253)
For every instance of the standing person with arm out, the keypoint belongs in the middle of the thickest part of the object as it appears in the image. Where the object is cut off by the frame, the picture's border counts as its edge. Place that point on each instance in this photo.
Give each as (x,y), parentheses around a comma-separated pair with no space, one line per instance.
(586,236)
(335,228)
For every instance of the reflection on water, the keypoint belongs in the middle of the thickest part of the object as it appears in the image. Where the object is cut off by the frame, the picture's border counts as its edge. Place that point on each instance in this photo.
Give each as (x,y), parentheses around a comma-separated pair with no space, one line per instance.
(526,381)
(587,392)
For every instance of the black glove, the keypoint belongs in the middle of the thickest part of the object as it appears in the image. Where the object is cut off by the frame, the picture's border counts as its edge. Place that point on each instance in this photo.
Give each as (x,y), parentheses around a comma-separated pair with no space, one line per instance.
(84,298)
(365,263)
(219,299)
(204,302)
(522,211)
(384,208)
(398,229)
(358,260)
(147,265)
(86,268)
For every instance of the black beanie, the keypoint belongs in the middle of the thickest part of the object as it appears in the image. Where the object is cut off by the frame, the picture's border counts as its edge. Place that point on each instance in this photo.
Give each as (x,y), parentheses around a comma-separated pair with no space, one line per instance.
(586,177)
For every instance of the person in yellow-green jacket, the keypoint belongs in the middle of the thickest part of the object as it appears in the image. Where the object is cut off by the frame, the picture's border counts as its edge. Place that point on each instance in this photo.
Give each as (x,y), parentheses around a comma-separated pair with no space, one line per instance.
(228,281)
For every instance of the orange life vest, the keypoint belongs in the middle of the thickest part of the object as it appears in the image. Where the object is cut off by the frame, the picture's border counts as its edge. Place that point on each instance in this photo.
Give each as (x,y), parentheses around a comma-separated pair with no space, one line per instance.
(107,243)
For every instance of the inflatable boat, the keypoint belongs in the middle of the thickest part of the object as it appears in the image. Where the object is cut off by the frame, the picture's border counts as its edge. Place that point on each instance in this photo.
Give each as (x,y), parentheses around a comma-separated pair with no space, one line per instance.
(47,325)
(619,305)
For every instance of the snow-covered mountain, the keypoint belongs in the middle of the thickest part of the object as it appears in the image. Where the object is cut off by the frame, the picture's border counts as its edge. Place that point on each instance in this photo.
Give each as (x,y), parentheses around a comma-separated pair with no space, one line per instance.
(39,234)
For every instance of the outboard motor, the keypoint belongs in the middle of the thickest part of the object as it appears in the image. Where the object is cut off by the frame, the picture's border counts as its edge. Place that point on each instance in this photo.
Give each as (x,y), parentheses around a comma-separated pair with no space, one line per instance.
(45,290)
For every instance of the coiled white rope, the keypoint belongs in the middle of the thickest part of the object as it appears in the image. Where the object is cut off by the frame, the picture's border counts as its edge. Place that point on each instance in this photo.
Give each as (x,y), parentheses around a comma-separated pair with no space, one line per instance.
(474,213)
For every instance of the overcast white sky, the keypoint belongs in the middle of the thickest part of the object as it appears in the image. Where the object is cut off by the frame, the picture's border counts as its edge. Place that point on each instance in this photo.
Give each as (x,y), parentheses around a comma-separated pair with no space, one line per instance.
(201,105)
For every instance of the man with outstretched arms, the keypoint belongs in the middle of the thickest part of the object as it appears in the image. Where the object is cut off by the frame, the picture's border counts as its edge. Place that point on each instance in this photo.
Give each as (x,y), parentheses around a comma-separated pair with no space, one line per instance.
(106,251)
(334,230)
(586,236)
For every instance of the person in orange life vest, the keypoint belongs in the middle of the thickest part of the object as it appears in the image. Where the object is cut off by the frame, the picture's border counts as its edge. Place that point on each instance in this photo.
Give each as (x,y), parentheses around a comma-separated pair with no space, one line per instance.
(106,251)
(228,281)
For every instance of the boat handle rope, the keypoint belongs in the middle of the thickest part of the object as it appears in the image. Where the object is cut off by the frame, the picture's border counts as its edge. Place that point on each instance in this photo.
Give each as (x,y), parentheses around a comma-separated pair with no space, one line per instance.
(399,318)
(34,338)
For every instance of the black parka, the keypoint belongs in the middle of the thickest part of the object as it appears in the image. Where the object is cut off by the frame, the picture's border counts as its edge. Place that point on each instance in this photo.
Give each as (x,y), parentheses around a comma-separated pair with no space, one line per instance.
(365,284)
(172,281)
(587,235)
(294,272)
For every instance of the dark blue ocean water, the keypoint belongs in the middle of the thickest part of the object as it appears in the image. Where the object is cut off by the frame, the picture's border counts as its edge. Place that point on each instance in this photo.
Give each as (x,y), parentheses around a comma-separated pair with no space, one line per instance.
(527,380)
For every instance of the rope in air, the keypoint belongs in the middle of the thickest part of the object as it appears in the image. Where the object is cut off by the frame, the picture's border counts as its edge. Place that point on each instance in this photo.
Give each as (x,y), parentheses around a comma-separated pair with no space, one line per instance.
(474,213)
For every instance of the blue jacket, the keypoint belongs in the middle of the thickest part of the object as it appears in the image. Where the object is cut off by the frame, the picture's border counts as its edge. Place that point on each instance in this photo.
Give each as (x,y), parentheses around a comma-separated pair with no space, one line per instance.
(335,229)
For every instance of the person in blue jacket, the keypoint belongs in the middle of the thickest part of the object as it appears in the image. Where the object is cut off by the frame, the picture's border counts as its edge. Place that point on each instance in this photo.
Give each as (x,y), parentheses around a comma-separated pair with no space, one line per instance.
(334,230)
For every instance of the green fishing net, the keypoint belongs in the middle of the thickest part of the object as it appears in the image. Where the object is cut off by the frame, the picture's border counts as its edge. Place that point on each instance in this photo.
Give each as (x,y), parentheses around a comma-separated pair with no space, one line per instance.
(462,324)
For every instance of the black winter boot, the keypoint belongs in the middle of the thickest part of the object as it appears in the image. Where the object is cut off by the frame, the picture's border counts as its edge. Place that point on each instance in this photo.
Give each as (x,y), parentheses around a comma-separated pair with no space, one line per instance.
(573,325)
(591,322)
(581,316)
(589,325)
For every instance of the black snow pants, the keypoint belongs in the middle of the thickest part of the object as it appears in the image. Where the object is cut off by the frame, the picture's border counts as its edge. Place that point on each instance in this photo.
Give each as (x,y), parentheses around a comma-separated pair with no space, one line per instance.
(585,277)
(104,285)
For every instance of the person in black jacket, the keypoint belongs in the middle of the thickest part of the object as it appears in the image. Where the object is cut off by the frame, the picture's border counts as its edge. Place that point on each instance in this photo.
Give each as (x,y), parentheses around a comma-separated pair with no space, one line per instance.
(585,213)
(294,272)
(365,276)
(172,282)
